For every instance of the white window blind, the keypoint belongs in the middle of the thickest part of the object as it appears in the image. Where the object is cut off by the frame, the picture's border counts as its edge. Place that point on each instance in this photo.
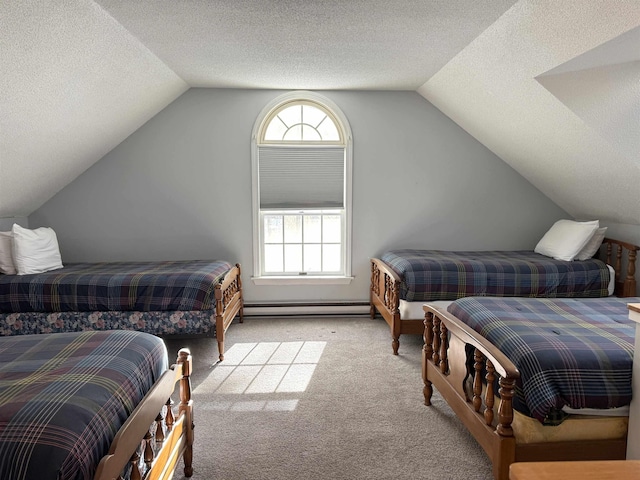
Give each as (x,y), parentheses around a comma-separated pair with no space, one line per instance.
(301,177)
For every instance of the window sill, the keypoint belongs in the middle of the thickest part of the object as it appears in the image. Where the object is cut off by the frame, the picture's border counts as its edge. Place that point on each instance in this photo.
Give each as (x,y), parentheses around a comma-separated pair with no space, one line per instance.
(302,280)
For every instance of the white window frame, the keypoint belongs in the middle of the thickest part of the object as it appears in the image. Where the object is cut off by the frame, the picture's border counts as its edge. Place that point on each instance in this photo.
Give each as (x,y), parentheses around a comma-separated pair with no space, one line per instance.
(342,124)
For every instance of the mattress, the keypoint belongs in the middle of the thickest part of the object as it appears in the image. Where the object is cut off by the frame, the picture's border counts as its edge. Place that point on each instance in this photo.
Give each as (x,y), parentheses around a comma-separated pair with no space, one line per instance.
(573,352)
(428,275)
(115,286)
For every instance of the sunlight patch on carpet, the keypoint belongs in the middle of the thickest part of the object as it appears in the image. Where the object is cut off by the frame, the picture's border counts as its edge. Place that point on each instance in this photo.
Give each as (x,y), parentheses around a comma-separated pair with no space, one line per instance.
(261,368)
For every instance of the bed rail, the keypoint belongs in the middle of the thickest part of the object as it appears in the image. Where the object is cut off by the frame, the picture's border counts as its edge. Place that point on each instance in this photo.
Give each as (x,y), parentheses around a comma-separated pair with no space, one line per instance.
(151,441)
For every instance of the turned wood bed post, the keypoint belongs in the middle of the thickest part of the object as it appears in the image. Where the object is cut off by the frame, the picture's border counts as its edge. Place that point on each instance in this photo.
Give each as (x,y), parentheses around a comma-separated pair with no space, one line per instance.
(186,407)
(241,311)
(391,300)
(427,355)
(219,321)
(374,289)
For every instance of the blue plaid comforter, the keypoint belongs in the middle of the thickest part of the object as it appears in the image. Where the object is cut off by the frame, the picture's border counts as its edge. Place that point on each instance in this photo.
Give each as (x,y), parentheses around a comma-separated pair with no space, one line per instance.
(429,275)
(64,396)
(575,352)
(115,286)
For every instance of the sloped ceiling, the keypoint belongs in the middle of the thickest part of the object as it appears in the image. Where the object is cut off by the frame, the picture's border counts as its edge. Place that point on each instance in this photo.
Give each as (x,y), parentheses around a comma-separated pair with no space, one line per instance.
(74,84)
(551,87)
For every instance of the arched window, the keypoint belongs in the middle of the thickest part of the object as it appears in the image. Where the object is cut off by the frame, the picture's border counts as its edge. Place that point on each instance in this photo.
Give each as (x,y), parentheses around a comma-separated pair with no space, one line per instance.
(301,167)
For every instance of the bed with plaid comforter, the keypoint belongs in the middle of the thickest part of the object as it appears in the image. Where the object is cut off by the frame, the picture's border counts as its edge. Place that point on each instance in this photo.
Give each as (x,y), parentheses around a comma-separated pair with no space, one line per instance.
(63,398)
(429,275)
(574,352)
(170,297)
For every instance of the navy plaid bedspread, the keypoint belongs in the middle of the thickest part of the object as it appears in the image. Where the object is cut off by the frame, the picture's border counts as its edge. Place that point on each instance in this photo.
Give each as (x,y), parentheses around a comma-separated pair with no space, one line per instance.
(115,286)
(64,396)
(575,352)
(429,275)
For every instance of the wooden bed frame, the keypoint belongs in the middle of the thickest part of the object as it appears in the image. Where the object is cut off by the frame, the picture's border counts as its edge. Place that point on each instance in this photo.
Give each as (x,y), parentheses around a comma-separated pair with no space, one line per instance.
(444,365)
(229,303)
(385,288)
(153,453)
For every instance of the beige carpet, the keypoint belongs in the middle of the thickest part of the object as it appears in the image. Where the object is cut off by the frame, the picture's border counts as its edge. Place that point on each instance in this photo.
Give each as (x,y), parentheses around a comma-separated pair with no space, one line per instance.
(321,398)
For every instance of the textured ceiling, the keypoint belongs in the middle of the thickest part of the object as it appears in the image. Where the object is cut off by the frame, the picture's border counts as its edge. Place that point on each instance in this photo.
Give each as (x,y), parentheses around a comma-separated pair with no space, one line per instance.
(602,86)
(74,84)
(292,44)
(551,87)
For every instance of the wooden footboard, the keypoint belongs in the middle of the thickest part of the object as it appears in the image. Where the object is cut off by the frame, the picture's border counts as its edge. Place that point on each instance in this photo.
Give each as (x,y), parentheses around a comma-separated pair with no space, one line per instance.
(229,303)
(385,298)
(489,416)
(153,438)
(617,254)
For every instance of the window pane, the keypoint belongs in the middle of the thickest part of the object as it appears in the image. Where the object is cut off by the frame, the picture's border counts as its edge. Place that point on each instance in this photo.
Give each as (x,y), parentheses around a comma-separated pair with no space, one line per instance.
(273,261)
(332,229)
(328,130)
(293,258)
(293,229)
(312,115)
(294,133)
(291,115)
(273,228)
(275,130)
(312,258)
(312,229)
(331,261)
(309,134)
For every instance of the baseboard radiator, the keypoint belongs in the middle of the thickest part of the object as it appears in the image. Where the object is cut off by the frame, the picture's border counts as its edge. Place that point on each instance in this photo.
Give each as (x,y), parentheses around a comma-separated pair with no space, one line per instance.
(306,309)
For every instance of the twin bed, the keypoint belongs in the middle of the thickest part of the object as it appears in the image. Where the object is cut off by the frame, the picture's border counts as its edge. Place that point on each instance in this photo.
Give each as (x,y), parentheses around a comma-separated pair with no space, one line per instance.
(534,379)
(196,297)
(94,404)
(402,280)
(488,331)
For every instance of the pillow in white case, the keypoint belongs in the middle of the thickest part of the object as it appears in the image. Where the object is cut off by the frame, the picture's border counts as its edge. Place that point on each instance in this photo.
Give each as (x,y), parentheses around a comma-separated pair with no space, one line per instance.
(35,251)
(592,246)
(6,254)
(566,238)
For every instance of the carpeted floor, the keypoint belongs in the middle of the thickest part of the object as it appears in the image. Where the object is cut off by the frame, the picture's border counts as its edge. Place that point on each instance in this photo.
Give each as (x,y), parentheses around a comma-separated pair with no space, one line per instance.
(321,398)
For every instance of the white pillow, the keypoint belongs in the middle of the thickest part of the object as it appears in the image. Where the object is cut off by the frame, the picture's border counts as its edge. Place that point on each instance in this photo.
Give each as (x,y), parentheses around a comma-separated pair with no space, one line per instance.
(35,251)
(566,238)
(592,246)
(6,254)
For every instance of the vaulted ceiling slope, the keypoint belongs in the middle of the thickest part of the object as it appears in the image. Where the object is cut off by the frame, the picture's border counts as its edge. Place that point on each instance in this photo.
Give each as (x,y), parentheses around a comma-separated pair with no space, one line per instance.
(549,86)
(74,84)
(553,88)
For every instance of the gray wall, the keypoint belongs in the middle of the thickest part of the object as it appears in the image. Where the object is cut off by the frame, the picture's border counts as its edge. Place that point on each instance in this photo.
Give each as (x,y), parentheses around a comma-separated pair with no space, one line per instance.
(180,188)
(7,223)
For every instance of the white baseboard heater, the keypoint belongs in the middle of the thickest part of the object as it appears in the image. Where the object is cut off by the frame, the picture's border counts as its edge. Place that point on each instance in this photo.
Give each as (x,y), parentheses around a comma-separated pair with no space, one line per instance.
(306,308)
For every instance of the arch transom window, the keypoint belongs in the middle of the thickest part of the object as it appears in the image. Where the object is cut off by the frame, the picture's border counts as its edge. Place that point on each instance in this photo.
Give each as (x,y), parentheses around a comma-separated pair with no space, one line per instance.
(301,168)
(301,122)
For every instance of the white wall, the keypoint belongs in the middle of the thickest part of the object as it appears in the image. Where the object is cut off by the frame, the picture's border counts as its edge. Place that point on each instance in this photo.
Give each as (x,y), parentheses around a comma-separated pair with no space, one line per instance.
(180,188)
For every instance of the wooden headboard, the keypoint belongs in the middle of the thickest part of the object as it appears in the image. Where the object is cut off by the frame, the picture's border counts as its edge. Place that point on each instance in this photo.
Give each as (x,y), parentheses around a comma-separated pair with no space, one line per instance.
(612,253)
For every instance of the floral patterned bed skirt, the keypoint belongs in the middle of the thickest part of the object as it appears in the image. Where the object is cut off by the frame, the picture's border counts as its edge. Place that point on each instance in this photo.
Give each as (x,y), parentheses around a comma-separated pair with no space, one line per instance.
(157,323)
